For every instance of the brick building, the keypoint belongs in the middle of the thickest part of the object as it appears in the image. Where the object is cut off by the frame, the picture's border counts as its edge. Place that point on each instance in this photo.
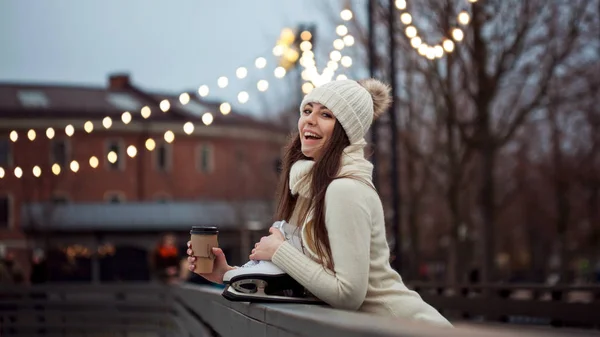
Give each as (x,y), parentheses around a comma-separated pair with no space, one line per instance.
(126,184)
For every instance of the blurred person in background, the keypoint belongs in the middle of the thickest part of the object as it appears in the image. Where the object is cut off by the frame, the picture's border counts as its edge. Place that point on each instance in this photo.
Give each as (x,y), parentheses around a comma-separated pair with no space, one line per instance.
(165,259)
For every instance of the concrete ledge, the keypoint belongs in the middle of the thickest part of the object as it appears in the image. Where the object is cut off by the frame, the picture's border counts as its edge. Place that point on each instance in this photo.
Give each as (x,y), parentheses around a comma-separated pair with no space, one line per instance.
(232,319)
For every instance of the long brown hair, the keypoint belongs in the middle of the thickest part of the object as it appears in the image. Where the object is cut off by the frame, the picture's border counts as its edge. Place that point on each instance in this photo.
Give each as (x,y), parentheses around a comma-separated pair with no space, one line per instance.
(323,173)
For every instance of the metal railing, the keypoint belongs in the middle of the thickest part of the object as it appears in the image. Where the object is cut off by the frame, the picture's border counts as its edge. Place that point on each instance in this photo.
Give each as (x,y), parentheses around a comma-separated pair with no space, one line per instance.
(534,304)
(71,310)
(199,311)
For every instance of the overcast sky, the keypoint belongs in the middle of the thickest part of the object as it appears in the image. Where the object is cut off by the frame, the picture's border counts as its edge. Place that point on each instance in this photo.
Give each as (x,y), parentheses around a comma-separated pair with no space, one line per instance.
(166,46)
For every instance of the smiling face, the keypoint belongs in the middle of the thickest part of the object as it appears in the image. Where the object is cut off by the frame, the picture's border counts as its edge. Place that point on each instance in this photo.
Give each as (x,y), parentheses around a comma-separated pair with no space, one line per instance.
(315,126)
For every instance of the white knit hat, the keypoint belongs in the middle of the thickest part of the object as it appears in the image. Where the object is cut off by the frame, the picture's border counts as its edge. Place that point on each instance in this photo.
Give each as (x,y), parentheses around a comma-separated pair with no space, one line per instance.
(351,103)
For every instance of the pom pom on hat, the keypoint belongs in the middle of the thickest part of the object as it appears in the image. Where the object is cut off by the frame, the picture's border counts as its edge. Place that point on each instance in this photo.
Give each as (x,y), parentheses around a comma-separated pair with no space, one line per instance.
(354,104)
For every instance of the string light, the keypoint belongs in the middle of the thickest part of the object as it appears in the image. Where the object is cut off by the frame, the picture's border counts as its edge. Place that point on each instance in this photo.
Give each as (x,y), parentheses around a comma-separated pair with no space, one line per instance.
(31,135)
(18,172)
(14,136)
(188,128)
(94,162)
(37,171)
(74,166)
(2,173)
(69,130)
(437,50)
(88,127)
(50,133)
(131,151)
(150,144)
(56,169)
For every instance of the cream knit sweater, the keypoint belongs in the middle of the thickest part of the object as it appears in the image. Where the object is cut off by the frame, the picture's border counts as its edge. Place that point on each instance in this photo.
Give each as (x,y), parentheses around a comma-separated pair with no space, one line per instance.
(362,278)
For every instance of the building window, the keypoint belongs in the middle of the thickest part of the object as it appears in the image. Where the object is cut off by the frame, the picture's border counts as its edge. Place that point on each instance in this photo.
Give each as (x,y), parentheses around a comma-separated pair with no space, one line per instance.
(115,197)
(114,147)
(205,158)
(59,152)
(5,153)
(5,211)
(163,157)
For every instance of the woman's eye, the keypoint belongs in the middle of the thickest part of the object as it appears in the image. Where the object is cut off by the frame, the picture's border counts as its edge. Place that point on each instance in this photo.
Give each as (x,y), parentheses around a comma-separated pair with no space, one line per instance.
(326,115)
(307,112)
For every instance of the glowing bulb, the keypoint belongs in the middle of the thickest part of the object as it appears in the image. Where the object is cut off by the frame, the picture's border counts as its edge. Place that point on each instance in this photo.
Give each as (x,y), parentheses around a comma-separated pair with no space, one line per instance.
(165,105)
(341,30)
(131,151)
(150,144)
(338,44)
(348,40)
(243,97)
(423,49)
(346,14)
(304,46)
(94,161)
(279,72)
(401,4)
(225,108)
(203,90)
(222,82)
(31,134)
(14,136)
(346,61)
(18,172)
(112,157)
(464,18)
(188,128)
(207,118)
(305,35)
(50,133)
(260,62)
(458,34)
(335,55)
(278,50)
(126,117)
(448,45)
(88,127)
(411,32)
(241,72)
(145,112)
(2,173)
(307,87)
(341,77)
(37,171)
(56,169)
(74,166)
(406,18)
(69,130)
(438,51)
(169,136)
(262,85)
(107,122)
(430,54)
(184,98)
(415,42)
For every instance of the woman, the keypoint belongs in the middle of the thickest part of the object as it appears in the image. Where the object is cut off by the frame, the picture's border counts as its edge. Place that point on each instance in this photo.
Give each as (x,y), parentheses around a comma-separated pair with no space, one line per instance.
(326,189)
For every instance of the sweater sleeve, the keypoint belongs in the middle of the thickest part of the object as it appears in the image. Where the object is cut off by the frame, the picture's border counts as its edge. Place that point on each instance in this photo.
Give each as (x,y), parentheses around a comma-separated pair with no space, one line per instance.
(348,223)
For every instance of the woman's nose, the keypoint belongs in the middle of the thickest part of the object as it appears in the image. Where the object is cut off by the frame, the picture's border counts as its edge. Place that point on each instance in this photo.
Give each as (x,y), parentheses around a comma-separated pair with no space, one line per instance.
(310,119)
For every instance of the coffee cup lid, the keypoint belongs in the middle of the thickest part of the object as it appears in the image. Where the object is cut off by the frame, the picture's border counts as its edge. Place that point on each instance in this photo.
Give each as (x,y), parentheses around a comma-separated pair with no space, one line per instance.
(204,230)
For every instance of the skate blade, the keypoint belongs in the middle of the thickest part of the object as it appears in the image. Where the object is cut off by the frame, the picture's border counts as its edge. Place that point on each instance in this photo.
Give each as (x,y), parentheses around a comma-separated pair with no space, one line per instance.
(259,296)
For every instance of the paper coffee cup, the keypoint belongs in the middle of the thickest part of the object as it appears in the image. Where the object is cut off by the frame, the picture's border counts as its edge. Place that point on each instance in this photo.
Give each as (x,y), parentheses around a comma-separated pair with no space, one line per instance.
(204,238)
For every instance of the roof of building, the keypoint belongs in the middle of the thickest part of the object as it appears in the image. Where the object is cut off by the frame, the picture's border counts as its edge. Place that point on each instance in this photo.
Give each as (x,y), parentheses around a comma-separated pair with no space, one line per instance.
(144,215)
(81,102)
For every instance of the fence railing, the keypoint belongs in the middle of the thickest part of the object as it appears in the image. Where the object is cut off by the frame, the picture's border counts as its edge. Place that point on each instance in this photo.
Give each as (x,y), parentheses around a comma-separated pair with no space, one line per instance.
(232,319)
(557,306)
(71,310)
(199,311)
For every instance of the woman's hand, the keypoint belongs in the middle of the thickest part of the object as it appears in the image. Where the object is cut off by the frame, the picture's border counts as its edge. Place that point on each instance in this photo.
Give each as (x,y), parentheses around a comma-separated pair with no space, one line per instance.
(220,266)
(268,245)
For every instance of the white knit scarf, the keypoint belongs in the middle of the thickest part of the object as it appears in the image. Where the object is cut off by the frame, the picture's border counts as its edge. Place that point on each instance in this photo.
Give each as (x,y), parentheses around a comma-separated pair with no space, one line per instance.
(353,165)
